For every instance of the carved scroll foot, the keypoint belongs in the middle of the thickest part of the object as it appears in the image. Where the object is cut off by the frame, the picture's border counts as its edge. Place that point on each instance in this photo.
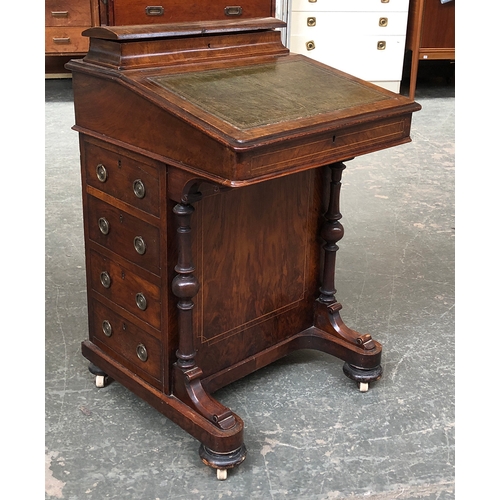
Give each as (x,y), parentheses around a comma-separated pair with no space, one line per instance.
(189,390)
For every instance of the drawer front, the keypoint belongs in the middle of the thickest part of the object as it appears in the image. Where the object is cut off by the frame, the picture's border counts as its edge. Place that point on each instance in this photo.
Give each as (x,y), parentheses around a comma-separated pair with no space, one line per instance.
(67,13)
(62,40)
(128,236)
(349,24)
(123,177)
(125,338)
(350,5)
(371,58)
(135,294)
(128,12)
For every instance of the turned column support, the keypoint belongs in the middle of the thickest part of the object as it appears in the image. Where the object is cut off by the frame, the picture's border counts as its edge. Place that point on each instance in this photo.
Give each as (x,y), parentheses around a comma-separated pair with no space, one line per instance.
(185,286)
(327,315)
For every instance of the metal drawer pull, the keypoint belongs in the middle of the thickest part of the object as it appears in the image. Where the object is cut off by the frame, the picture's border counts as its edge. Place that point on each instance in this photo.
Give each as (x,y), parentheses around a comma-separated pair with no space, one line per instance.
(384,1)
(381,45)
(60,13)
(141,301)
(142,352)
(139,245)
(312,1)
(156,10)
(103,225)
(233,10)
(139,188)
(310,45)
(383,22)
(311,21)
(107,328)
(105,279)
(61,40)
(101,172)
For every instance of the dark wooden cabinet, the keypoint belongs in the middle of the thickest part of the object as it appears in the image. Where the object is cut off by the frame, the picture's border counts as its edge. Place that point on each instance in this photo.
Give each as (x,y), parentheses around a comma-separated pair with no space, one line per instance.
(64,22)
(431,34)
(130,12)
(212,161)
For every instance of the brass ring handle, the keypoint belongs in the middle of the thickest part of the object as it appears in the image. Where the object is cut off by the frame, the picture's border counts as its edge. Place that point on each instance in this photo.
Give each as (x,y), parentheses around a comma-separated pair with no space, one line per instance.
(101,172)
(142,352)
(310,45)
(105,279)
(140,245)
(141,302)
(311,21)
(139,188)
(107,328)
(103,225)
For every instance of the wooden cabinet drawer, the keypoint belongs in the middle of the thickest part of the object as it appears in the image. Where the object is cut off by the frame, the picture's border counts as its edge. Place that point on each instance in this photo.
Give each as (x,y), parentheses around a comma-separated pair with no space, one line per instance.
(124,234)
(128,12)
(371,58)
(67,13)
(349,23)
(126,339)
(61,40)
(124,177)
(126,289)
(350,5)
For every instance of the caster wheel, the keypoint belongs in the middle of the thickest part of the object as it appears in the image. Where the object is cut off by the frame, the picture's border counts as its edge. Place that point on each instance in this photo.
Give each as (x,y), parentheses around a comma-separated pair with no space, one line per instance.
(363,386)
(100,381)
(221,474)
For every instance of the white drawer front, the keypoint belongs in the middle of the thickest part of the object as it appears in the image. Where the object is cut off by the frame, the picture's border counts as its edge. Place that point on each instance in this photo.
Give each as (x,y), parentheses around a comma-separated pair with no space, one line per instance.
(358,56)
(350,5)
(349,23)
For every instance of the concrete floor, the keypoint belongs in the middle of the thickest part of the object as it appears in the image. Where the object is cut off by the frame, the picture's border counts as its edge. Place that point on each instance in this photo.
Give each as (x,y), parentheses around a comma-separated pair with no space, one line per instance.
(310,433)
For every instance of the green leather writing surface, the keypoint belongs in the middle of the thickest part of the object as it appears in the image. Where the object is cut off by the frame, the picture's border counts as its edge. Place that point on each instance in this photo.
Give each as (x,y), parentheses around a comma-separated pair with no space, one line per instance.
(264,94)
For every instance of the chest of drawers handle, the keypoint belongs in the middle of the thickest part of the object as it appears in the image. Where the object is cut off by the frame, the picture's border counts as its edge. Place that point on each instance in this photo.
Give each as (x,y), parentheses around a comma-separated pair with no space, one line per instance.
(233,10)
(383,22)
(105,279)
(311,21)
(155,10)
(101,172)
(58,14)
(310,45)
(139,188)
(107,328)
(141,301)
(66,39)
(103,225)
(140,245)
(142,352)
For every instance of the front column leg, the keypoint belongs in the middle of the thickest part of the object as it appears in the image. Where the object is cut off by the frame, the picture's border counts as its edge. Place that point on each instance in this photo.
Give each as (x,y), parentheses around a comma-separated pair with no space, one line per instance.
(358,365)
(187,375)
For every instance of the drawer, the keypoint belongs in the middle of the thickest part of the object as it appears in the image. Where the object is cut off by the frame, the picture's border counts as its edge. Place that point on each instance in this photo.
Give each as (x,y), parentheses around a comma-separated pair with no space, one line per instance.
(124,177)
(349,23)
(65,40)
(128,12)
(126,289)
(67,13)
(350,5)
(120,232)
(371,58)
(126,339)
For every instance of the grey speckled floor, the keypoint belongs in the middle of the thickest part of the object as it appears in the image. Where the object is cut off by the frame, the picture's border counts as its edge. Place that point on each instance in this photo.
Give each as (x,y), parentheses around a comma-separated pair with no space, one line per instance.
(310,434)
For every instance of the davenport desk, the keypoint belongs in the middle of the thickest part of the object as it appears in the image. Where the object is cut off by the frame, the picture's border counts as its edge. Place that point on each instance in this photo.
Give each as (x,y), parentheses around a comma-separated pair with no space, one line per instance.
(211,171)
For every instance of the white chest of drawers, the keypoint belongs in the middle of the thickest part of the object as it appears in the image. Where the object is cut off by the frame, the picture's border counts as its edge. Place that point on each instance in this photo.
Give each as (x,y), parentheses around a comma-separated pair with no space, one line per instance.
(365,38)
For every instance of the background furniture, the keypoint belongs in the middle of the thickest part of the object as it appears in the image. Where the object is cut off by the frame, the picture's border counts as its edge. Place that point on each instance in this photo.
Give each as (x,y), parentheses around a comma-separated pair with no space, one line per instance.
(64,22)
(365,38)
(431,34)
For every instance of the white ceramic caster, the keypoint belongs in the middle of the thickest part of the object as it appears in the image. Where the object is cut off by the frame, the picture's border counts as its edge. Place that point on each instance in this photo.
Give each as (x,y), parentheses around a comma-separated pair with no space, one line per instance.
(221,474)
(363,386)
(100,381)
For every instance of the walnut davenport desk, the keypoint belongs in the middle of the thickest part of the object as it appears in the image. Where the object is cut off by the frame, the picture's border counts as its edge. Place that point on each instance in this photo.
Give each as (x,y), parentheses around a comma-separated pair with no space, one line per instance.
(211,171)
